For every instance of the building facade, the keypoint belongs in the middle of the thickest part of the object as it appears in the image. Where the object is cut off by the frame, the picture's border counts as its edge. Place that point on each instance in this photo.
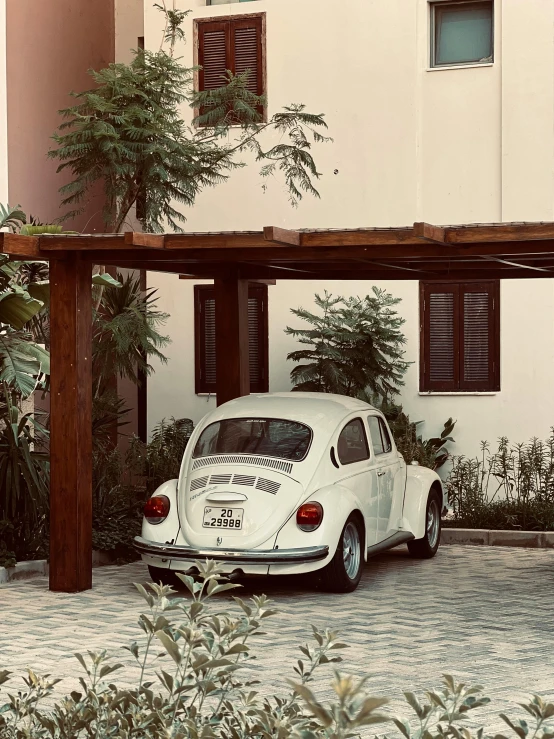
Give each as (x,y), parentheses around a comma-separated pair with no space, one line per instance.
(3,108)
(440,112)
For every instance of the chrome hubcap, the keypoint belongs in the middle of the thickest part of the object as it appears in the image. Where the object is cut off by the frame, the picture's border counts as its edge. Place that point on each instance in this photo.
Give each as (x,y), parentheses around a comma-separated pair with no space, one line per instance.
(433,523)
(351,550)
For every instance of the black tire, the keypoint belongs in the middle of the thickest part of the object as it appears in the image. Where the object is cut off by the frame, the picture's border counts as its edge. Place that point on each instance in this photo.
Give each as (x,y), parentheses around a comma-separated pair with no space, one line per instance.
(163,576)
(427,547)
(344,571)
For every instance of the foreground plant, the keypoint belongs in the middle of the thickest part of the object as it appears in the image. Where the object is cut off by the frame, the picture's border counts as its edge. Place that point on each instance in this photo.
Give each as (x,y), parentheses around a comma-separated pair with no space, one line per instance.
(193,686)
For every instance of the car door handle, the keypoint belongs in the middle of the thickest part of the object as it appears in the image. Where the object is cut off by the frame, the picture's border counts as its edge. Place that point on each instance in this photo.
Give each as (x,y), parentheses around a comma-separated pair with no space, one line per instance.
(380,474)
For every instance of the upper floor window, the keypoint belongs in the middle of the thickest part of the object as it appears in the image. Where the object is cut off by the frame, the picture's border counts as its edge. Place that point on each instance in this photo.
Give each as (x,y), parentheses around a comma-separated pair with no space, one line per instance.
(461,33)
(231,44)
(460,336)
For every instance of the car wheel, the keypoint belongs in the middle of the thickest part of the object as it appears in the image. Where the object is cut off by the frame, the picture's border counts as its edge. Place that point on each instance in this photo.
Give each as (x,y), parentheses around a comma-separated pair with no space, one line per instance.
(344,571)
(163,576)
(427,547)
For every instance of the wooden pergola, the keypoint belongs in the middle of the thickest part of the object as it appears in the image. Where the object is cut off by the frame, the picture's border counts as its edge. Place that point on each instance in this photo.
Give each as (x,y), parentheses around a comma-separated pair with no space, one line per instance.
(232,259)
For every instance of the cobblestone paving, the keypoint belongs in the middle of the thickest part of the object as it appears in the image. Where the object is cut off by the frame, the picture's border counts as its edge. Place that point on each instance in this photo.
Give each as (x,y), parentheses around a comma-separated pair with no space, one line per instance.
(483,614)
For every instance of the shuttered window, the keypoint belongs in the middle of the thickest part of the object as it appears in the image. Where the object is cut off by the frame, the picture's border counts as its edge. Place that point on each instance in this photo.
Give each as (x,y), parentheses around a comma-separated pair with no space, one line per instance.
(460,336)
(204,313)
(234,44)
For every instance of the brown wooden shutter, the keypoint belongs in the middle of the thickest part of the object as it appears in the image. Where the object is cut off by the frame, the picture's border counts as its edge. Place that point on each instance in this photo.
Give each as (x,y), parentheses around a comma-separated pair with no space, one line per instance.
(213,54)
(246,51)
(205,372)
(479,335)
(459,336)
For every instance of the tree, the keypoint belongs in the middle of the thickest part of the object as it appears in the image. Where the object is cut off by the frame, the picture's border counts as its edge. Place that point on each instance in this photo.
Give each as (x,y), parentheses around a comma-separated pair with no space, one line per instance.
(354,347)
(128,132)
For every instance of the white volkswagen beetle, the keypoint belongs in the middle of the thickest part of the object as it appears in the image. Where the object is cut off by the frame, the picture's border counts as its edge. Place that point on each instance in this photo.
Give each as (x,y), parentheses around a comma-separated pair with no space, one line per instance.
(288,483)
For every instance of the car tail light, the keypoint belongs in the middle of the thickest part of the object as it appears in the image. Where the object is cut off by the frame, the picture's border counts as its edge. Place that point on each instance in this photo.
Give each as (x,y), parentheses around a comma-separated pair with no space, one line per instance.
(309,516)
(156,509)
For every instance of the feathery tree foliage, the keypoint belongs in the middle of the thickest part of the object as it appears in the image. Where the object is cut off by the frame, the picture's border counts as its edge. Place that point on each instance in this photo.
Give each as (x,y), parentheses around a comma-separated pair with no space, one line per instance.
(354,347)
(128,133)
(126,333)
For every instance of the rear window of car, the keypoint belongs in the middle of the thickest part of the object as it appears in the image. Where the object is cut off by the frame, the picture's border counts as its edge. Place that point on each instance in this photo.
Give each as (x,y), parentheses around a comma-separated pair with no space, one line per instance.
(265,437)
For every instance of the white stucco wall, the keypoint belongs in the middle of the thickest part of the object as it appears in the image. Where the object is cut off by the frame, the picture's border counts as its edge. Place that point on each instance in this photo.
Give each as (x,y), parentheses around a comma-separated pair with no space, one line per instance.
(3,108)
(129,26)
(445,146)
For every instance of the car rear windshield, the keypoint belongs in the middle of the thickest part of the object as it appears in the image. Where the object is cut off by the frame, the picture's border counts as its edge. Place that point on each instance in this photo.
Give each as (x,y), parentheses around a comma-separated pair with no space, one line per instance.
(268,437)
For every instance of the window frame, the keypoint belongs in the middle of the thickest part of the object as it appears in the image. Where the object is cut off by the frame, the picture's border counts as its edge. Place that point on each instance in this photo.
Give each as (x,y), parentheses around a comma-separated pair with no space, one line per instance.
(368,448)
(459,288)
(224,19)
(201,294)
(433,34)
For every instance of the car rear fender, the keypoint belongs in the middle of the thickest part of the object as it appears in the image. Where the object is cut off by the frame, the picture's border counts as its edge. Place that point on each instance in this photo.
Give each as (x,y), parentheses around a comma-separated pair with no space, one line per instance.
(338,505)
(168,530)
(419,481)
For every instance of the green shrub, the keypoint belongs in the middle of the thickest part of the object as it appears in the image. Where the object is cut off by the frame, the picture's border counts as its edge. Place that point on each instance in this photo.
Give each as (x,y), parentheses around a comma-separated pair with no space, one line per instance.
(511,488)
(194,688)
(432,453)
(160,459)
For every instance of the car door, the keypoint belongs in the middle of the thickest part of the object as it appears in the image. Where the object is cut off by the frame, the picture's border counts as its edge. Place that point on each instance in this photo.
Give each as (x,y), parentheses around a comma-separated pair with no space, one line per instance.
(356,472)
(387,465)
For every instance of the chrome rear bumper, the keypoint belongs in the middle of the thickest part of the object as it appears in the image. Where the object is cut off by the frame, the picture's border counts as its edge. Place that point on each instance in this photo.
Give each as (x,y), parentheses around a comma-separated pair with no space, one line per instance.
(240,556)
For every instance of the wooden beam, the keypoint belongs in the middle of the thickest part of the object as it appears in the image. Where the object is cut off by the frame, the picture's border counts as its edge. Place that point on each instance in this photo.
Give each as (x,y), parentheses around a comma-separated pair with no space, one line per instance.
(499,232)
(282,235)
(71,424)
(231,339)
(152,241)
(21,247)
(228,240)
(430,233)
(82,242)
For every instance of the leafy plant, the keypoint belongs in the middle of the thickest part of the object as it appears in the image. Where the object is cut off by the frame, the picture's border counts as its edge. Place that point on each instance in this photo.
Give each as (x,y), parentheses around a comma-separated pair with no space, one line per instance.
(354,347)
(160,460)
(126,333)
(11,219)
(512,487)
(432,453)
(190,682)
(128,133)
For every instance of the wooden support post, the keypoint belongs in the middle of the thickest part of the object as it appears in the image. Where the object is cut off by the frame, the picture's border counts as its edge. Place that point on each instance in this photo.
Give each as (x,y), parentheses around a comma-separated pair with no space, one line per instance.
(231,339)
(71,424)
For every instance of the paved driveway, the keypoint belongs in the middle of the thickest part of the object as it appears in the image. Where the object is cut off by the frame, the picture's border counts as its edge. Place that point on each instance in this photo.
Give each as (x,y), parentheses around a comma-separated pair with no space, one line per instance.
(482,614)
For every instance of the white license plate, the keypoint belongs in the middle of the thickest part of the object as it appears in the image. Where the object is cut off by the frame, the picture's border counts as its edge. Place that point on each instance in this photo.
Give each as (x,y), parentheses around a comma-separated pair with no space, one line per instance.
(223,518)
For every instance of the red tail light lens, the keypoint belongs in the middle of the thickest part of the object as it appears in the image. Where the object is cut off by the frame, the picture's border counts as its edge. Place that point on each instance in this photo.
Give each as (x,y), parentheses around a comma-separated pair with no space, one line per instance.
(309,516)
(156,508)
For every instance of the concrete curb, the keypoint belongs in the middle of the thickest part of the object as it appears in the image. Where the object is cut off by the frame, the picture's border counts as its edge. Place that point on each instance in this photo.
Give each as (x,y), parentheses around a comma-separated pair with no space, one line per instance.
(39,568)
(486,537)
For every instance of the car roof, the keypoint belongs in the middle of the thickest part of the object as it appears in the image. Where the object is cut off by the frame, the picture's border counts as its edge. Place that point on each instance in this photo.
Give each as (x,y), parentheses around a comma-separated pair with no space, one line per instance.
(308,408)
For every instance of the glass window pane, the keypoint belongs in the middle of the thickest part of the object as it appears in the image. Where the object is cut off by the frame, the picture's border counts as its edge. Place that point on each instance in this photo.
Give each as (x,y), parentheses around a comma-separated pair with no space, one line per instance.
(387,445)
(463,33)
(352,443)
(375,433)
(267,437)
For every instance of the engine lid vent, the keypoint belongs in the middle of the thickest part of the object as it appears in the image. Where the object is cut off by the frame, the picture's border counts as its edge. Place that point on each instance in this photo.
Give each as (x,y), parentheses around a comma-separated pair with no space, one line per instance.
(268,486)
(272,464)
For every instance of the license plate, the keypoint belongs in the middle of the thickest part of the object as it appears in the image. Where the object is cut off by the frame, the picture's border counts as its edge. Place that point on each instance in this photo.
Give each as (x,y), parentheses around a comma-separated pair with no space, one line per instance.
(223,518)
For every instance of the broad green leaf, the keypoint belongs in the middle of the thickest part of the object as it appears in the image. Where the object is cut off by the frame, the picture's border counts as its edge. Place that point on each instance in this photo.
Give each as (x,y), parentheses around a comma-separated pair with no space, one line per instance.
(105,280)
(17,308)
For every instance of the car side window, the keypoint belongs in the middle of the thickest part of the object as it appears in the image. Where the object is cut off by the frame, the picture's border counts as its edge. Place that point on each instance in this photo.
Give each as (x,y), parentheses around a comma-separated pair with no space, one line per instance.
(352,445)
(380,437)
